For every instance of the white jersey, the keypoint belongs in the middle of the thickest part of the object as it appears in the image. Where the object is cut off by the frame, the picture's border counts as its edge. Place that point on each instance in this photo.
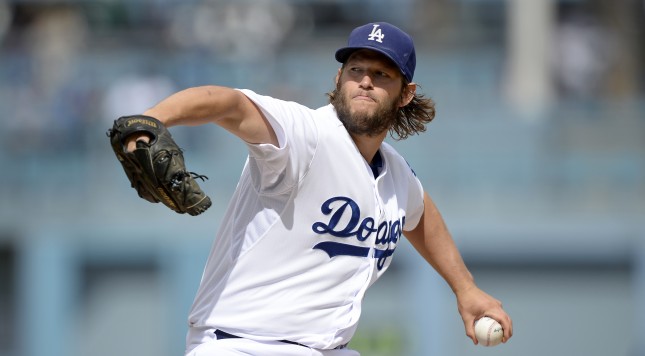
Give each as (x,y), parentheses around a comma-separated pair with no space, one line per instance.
(308,230)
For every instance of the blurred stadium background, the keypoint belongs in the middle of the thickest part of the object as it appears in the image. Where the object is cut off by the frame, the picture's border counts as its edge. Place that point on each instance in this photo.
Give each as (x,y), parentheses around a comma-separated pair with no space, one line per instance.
(536,159)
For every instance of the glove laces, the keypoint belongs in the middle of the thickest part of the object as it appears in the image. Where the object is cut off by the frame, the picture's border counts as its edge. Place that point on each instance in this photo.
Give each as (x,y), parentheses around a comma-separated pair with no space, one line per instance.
(180,177)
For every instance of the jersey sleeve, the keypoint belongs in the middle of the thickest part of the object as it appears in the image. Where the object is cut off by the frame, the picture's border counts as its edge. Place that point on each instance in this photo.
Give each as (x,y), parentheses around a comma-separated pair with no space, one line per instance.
(415,207)
(407,186)
(275,170)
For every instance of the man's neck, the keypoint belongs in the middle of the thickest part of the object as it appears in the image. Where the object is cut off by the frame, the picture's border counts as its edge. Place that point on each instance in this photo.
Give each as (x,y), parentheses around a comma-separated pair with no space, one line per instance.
(368,145)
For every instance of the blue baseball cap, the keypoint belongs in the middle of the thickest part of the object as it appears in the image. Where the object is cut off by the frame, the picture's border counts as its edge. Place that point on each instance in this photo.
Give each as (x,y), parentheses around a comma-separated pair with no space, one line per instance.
(386,39)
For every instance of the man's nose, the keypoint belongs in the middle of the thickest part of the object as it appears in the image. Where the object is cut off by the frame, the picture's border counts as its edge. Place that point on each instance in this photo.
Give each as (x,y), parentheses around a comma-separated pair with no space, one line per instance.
(366,82)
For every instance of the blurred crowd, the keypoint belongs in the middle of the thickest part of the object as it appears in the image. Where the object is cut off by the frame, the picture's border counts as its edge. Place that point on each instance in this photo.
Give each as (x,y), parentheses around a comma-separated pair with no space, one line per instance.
(69,68)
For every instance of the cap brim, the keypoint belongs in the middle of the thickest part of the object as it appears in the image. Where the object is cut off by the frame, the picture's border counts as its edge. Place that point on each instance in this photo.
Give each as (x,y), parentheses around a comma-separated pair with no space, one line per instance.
(343,54)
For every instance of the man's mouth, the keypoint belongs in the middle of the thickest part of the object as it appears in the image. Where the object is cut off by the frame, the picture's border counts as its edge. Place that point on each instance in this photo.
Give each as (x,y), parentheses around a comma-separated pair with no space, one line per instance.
(364,97)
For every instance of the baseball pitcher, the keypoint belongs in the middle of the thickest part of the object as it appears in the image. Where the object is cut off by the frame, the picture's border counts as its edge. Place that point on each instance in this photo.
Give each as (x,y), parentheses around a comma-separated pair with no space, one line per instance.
(319,210)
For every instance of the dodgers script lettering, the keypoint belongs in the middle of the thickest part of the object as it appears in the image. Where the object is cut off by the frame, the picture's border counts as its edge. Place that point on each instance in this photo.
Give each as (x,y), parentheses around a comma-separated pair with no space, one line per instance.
(345,222)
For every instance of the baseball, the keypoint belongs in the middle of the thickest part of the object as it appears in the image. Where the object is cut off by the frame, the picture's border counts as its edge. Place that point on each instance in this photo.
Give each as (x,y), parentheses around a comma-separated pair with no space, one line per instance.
(488,331)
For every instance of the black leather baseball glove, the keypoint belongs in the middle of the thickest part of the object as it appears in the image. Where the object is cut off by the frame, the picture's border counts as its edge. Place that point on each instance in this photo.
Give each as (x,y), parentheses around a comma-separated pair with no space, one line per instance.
(156,169)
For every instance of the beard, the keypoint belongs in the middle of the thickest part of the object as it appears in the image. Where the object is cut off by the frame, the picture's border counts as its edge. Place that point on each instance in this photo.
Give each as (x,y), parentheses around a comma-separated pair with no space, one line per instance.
(364,123)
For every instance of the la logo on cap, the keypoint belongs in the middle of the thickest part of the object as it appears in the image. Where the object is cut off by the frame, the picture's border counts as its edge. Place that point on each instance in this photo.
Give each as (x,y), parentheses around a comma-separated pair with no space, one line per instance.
(376,34)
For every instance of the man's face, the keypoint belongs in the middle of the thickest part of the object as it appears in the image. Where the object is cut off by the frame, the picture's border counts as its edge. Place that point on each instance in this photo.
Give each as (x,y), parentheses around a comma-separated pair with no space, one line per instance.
(369,93)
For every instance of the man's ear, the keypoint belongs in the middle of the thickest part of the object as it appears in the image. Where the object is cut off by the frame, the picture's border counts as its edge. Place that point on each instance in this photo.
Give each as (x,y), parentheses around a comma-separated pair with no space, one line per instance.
(338,76)
(408,94)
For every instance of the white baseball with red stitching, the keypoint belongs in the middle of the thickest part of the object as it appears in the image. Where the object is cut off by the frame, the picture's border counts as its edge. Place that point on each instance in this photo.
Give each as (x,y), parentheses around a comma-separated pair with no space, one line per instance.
(488,331)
